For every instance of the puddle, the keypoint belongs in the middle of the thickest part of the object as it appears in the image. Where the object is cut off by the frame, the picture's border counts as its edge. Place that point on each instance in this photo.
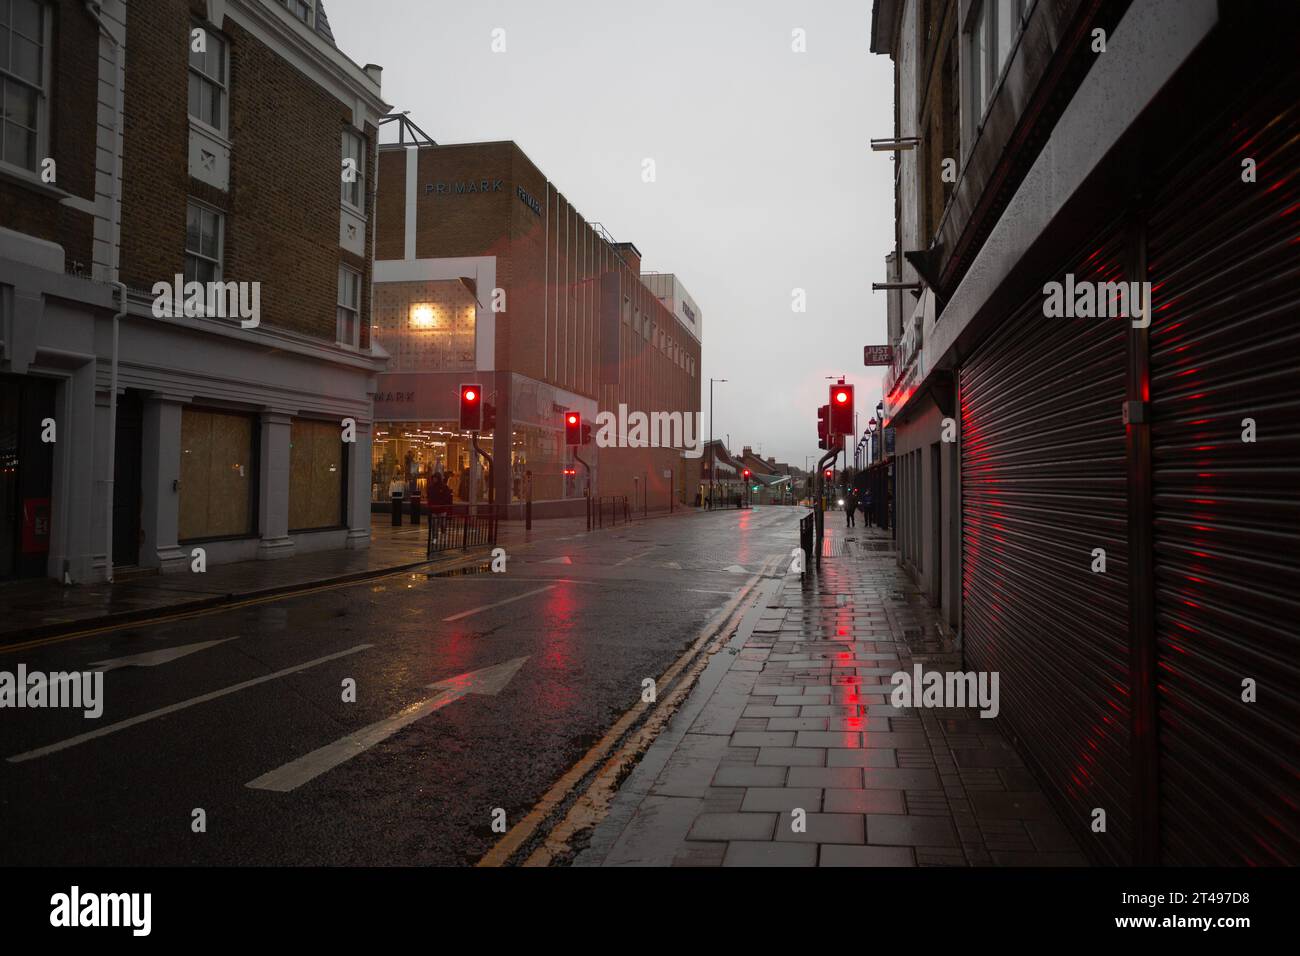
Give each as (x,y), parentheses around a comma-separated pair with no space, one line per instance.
(485,566)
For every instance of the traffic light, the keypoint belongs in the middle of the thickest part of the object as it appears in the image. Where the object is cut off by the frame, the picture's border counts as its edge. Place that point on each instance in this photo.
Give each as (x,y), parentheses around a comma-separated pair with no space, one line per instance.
(572,428)
(745,473)
(489,417)
(829,473)
(823,426)
(586,434)
(471,408)
(842,410)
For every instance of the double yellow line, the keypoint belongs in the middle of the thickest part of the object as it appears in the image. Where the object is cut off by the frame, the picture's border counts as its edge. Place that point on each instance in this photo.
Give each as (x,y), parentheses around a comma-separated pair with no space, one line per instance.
(593,803)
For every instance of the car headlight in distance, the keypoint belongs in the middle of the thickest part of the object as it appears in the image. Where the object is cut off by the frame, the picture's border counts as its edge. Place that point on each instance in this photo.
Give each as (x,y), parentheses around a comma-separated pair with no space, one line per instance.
(841,502)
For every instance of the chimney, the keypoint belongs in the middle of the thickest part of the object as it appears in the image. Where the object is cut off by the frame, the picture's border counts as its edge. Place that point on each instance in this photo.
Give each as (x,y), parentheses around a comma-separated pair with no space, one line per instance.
(374,71)
(631,255)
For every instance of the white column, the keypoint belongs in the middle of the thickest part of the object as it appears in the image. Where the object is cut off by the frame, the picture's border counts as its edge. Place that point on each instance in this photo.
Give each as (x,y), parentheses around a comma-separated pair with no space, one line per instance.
(273,495)
(160,483)
(358,509)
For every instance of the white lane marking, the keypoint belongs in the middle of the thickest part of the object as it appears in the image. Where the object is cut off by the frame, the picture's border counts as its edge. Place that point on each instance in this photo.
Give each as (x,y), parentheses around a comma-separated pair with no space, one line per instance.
(154,658)
(736,569)
(173,708)
(488,680)
(561,560)
(672,564)
(488,607)
(633,557)
(708,591)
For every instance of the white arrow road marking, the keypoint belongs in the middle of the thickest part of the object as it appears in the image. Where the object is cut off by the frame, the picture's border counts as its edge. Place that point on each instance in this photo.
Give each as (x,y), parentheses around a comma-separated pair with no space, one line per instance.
(173,708)
(154,658)
(489,680)
(633,557)
(488,607)
(736,569)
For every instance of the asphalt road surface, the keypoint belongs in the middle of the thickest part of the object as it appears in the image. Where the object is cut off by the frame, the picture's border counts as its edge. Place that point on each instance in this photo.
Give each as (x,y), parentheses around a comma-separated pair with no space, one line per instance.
(253,728)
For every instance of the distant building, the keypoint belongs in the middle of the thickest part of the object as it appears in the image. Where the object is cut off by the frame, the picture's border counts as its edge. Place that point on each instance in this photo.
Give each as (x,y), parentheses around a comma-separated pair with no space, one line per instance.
(485,273)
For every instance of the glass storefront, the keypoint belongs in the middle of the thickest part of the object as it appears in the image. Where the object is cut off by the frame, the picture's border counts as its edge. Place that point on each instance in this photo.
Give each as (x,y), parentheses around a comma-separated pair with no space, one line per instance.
(218,474)
(413,452)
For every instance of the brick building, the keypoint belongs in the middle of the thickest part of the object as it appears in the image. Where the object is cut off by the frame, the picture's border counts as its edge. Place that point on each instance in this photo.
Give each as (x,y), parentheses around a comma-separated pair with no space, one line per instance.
(484,272)
(228,144)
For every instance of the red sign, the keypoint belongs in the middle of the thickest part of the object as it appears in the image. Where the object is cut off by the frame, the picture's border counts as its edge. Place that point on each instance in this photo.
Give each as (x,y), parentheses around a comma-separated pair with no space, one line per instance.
(36,526)
(877,355)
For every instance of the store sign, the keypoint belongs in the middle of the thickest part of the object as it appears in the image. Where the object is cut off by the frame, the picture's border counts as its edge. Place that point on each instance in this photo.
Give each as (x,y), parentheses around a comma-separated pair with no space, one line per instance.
(464,187)
(877,355)
(528,200)
(690,313)
(394,396)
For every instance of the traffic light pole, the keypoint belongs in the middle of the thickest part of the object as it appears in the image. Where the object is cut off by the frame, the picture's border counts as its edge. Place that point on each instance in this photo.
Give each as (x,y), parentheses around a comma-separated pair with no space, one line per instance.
(587,490)
(491,481)
(819,515)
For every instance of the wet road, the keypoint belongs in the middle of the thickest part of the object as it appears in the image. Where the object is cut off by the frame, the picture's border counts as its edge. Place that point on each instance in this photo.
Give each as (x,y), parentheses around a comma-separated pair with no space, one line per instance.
(557,648)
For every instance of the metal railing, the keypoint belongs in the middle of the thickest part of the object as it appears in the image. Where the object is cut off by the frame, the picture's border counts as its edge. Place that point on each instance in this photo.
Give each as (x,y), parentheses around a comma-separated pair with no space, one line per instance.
(449,531)
(612,506)
(807,527)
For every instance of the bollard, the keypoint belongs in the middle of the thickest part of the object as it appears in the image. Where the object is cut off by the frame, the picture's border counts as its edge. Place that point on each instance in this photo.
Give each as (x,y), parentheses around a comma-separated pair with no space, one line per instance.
(415,509)
(397,509)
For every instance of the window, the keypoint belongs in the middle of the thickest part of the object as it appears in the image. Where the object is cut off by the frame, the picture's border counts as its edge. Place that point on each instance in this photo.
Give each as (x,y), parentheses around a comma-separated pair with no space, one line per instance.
(316,475)
(978,57)
(991,34)
(349,314)
(208,81)
(218,474)
(23,50)
(354,193)
(203,227)
(300,9)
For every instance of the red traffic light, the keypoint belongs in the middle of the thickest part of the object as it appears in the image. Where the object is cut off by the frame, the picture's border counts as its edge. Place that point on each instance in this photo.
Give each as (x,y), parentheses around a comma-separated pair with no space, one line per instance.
(842,410)
(471,408)
(828,472)
(572,428)
(745,473)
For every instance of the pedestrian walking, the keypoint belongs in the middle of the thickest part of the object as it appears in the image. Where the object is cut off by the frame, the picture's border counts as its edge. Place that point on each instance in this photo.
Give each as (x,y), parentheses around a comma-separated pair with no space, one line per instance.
(850,505)
(866,501)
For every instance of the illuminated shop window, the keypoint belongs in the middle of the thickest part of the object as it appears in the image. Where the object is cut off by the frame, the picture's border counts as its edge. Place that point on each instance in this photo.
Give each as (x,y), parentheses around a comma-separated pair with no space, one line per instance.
(425,326)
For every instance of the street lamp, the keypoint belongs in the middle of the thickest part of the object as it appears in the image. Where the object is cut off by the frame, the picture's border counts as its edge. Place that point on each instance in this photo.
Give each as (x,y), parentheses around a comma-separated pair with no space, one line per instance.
(713,452)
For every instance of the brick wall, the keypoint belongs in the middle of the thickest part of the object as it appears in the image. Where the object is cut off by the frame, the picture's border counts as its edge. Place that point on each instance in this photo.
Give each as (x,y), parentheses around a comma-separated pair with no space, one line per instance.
(71,118)
(282,207)
(390,205)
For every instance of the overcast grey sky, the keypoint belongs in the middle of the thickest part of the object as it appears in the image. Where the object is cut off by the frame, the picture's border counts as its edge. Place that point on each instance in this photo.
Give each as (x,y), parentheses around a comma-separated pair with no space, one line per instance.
(765,181)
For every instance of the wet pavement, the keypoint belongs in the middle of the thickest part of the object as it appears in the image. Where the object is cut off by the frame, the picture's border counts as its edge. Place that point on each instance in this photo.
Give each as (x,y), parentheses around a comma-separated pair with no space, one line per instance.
(474,693)
(789,753)
(42,606)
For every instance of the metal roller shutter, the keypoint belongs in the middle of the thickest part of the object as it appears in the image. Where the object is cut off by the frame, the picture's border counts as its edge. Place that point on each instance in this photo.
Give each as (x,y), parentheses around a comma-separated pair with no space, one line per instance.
(1224,260)
(1043,484)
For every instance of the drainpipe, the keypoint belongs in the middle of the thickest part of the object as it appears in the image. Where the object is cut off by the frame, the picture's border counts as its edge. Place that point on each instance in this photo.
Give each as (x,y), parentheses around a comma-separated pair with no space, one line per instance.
(114,264)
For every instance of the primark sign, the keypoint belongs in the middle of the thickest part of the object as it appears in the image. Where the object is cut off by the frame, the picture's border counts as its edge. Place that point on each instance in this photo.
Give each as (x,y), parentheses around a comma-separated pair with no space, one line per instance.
(464,187)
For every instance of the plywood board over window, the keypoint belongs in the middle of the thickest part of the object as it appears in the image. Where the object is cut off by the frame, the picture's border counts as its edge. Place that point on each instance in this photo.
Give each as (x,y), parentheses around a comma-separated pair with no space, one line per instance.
(218,474)
(316,469)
